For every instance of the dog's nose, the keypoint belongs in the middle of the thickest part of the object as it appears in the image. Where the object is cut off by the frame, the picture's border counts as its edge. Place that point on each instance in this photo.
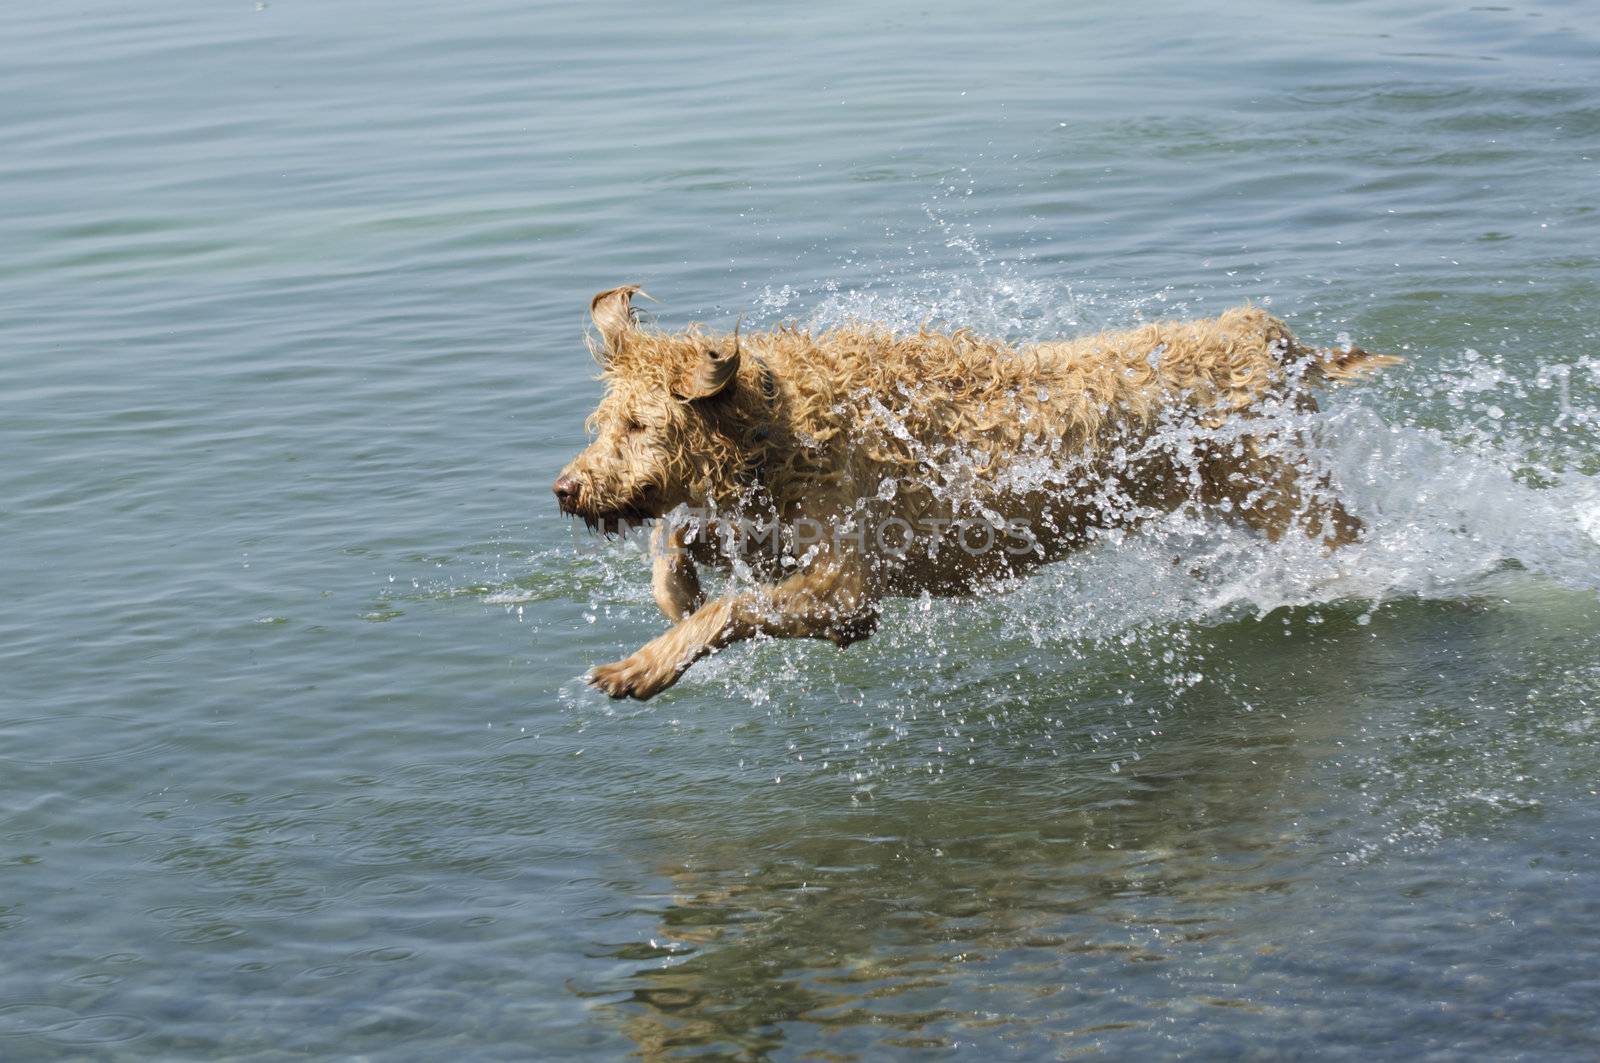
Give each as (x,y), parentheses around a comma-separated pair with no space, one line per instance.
(566,490)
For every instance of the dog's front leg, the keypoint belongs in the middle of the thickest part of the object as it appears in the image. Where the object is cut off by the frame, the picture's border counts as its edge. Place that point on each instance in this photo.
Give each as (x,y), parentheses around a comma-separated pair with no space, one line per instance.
(828,600)
(673,579)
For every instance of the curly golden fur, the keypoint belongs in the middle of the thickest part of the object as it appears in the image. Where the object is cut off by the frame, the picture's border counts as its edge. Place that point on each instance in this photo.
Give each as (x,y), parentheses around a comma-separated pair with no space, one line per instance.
(849,430)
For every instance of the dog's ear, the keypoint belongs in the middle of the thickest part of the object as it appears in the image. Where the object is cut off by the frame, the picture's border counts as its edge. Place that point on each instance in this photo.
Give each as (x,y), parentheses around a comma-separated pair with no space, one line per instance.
(715,371)
(613,314)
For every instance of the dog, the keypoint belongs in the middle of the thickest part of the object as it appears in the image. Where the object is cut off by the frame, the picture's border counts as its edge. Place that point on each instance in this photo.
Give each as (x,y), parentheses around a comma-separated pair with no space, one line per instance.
(841,467)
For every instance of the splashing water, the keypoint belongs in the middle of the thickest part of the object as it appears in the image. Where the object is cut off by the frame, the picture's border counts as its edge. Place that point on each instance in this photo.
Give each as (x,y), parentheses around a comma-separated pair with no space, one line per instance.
(1452,487)
(1452,491)
(1474,478)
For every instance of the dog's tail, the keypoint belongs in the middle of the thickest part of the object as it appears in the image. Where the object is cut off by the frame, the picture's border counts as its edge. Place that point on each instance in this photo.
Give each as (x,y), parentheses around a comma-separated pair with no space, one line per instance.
(1343,365)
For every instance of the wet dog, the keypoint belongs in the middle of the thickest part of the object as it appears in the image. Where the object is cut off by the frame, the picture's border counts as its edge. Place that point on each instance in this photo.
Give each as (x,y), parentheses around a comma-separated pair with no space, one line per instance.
(844,466)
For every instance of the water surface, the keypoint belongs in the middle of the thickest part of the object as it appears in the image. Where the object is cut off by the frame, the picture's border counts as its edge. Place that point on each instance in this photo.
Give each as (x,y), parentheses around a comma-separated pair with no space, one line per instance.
(294,756)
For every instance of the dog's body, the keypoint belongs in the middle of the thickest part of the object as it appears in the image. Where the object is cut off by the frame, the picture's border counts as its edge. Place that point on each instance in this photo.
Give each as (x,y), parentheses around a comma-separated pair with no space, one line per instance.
(851,465)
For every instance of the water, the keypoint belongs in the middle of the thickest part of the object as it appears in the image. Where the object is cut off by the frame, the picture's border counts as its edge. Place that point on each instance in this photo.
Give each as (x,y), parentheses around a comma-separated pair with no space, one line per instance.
(294,756)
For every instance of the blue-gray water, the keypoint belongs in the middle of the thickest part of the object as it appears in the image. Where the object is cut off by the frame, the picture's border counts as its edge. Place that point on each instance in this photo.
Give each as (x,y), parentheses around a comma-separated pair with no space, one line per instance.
(294,760)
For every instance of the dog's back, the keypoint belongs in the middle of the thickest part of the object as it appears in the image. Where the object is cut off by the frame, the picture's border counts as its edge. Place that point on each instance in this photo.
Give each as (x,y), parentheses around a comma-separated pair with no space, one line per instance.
(903,394)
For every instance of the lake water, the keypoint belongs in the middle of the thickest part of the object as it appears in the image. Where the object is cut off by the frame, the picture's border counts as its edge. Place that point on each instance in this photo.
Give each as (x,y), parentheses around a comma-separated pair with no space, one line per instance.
(295,759)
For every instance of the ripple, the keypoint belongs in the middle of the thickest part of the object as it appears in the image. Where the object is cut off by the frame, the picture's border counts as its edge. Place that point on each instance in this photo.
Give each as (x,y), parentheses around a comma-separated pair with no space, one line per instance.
(65,1027)
(75,738)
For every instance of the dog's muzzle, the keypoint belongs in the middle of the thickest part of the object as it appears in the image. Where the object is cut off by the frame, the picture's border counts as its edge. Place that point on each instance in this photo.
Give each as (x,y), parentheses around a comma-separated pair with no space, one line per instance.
(567,491)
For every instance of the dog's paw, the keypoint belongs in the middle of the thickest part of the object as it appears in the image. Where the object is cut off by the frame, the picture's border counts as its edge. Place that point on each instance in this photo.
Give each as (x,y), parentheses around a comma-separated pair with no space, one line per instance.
(640,676)
(858,627)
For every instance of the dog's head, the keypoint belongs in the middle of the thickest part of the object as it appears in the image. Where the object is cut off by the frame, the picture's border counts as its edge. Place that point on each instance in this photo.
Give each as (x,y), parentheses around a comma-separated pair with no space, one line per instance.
(683,419)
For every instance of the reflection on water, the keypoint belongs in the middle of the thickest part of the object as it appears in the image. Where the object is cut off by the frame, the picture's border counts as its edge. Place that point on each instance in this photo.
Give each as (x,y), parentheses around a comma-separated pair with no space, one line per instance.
(1054,894)
(917,925)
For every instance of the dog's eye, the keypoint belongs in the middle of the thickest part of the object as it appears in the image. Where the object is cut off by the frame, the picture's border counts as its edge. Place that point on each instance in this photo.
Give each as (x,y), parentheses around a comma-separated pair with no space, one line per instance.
(633,428)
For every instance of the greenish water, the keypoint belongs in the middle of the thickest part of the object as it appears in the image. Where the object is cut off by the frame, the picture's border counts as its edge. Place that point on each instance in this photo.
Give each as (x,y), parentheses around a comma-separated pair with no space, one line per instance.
(294,757)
